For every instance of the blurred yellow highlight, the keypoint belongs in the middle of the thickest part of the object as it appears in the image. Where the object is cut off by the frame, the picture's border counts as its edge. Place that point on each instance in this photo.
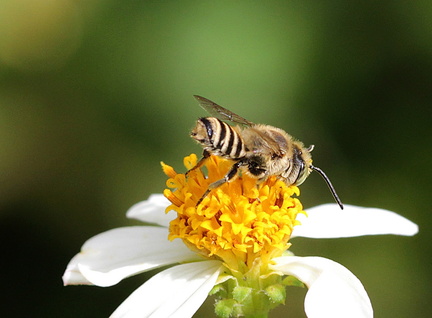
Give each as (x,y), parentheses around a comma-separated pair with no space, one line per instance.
(38,35)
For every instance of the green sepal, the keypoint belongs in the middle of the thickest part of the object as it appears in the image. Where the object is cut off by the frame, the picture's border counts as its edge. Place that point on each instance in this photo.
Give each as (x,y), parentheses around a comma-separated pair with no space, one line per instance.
(241,293)
(219,290)
(224,308)
(276,293)
(292,281)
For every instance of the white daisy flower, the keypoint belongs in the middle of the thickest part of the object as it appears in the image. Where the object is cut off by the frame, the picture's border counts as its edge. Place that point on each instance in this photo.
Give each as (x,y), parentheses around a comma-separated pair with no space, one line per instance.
(233,245)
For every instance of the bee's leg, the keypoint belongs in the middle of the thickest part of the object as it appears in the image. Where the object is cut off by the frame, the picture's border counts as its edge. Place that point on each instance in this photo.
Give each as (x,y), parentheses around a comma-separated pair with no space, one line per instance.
(231,174)
(199,164)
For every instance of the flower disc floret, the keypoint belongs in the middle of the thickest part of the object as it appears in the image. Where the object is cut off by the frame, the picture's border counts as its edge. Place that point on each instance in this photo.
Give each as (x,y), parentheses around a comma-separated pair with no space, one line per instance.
(237,222)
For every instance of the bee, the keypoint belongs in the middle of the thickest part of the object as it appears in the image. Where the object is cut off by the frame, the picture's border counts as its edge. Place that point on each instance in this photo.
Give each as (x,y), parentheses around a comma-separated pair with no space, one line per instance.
(259,150)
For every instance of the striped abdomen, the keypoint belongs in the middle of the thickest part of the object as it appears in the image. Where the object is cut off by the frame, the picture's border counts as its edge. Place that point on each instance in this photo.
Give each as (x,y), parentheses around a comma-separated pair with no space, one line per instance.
(219,138)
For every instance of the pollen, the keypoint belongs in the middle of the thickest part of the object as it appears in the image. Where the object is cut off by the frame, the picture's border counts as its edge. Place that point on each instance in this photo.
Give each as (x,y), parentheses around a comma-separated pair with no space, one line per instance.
(238,222)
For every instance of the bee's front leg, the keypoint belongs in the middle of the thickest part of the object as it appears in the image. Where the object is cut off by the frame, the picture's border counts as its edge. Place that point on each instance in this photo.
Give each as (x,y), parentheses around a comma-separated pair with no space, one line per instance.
(231,174)
(199,164)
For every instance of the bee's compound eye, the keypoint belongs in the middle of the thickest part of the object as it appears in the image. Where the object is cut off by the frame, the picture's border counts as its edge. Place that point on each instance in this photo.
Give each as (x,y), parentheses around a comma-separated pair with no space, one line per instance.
(303,174)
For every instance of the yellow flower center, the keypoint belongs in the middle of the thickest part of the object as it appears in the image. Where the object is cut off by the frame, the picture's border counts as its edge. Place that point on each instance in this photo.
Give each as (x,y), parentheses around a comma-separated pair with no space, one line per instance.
(238,222)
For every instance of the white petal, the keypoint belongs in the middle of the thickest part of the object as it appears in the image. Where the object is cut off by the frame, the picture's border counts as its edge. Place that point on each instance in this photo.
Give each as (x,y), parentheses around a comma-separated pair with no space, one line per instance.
(111,256)
(333,290)
(329,221)
(72,275)
(176,292)
(152,210)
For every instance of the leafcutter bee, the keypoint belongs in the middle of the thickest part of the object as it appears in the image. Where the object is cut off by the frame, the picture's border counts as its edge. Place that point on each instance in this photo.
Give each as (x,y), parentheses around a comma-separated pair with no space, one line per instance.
(258,150)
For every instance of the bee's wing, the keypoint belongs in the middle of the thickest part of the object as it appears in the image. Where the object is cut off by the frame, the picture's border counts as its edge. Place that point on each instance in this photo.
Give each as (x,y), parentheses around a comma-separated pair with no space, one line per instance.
(265,144)
(219,112)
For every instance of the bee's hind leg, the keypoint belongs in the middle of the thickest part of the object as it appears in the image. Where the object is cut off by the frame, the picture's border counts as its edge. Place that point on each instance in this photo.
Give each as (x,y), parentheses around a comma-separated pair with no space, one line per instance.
(199,164)
(231,174)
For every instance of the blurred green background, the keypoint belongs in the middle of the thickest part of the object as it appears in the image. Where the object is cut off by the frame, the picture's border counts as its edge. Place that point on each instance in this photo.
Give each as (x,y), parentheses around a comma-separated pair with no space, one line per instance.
(94,94)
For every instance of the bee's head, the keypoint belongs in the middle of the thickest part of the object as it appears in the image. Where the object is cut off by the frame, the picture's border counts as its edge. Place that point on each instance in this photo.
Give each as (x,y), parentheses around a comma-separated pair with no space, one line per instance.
(301,161)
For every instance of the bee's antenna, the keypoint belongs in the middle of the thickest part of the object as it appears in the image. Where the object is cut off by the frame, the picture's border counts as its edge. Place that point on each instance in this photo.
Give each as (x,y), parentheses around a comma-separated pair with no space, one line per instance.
(327,180)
